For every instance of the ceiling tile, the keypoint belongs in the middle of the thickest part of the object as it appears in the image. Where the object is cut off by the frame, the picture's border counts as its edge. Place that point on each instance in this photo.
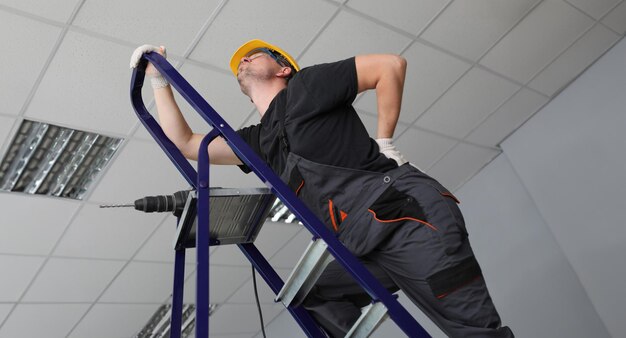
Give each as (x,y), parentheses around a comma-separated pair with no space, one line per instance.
(507,118)
(548,30)
(42,320)
(59,10)
(114,320)
(160,247)
(6,126)
(469,28)
(616,20)
(288,256)
(72,280)
(461,164)
(467,103)
(141,282)
(245,294)
(62,96)
(167,23)
(348,35)
(141,169)
(223,282)
(28,232)
(410,16)
(228,255)
(27,44)
(371,123)
(274,235)
(595,8)
(239,22)
(95,231)
(241,318)
(576,59)
(4,311)
(423,148)
(429,74)
(17,272)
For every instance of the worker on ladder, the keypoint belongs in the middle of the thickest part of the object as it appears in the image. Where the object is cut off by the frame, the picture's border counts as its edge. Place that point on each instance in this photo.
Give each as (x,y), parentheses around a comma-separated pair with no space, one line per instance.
(402,224)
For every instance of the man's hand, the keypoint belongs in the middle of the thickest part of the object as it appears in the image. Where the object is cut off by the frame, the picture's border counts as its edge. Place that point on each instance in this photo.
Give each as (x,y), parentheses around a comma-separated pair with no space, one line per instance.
(388,149)
(158,81)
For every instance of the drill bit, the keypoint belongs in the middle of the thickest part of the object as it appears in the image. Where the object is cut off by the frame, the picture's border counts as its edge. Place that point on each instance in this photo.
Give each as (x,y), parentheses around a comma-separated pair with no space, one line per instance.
(117,206)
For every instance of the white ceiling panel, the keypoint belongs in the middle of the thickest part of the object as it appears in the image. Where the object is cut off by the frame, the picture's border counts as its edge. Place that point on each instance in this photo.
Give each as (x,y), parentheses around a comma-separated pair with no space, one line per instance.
(241,318)
(245,294)
(141,169)
(616,20)
(469,28)
(169,23)
(6,126)
(223,282)
(34,224)
(283,24)
(228,255)
(141,282)
(288,256)
(540,37)
(410,16)
(17,272)
(461,164)
(86,62)
(429,74)
(348,35)
(27,44)
(95,231)
(42,320)
(72,280)
(58,10)
(114,320)
(423,148)
(274,235)
(371,123)
(230,176)
(160,247)
(507,118)
(4,311)
(595,8)
(571,63)
(467,103)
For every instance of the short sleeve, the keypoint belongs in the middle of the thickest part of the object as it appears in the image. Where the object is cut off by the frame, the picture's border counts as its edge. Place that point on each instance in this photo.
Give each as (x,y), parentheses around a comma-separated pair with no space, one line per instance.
(251,136)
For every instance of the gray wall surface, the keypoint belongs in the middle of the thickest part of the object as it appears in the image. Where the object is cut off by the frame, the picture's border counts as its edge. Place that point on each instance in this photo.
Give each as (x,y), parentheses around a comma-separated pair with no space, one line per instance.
(546,218)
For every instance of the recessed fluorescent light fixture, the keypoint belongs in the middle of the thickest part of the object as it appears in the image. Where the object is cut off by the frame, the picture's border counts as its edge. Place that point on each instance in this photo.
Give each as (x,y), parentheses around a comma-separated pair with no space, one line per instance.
(45,159)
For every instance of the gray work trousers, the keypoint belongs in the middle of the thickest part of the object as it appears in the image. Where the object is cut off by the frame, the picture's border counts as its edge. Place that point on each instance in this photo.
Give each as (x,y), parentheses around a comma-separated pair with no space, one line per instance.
(336,300)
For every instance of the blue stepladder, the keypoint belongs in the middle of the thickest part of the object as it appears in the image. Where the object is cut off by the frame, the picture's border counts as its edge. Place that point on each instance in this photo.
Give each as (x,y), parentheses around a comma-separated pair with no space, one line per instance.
(325,242)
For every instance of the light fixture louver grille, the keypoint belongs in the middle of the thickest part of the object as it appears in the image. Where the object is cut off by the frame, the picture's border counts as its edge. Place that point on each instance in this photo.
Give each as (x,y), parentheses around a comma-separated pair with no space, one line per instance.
(45,159)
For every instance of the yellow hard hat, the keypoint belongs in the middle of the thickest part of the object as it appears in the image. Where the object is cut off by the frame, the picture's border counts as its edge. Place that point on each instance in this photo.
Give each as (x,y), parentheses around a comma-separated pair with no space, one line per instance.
(251,45)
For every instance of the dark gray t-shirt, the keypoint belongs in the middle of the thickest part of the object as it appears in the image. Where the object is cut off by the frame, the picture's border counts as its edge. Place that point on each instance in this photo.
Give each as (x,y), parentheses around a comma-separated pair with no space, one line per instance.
(319,121)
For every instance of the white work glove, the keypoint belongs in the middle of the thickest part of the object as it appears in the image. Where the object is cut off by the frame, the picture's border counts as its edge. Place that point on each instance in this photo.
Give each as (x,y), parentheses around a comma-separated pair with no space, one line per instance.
(388,149)
(157,80)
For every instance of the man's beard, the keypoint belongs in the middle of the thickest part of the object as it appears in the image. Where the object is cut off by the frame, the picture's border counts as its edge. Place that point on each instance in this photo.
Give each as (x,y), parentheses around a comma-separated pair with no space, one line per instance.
(247,77)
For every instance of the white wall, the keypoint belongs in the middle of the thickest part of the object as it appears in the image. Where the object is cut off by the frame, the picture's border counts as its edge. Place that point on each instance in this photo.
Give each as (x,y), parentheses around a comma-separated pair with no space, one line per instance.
(547,217)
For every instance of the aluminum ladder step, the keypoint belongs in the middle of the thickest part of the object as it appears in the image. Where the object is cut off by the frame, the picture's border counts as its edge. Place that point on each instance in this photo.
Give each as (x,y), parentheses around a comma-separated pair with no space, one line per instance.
(307,271)
(371,317)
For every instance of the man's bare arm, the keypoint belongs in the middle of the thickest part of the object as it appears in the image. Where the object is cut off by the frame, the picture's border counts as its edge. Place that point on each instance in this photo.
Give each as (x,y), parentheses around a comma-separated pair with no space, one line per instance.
(385,73)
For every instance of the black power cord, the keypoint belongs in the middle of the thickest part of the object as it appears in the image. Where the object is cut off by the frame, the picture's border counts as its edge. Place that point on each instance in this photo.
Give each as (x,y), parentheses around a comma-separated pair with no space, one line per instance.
(258,304)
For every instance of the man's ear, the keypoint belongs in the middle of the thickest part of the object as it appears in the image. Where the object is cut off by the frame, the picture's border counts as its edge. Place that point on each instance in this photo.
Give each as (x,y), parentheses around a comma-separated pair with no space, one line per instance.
(284,72)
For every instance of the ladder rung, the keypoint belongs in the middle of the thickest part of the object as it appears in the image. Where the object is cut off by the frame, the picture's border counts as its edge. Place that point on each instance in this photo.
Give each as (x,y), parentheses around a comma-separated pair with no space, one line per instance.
(305,274)
(371,317)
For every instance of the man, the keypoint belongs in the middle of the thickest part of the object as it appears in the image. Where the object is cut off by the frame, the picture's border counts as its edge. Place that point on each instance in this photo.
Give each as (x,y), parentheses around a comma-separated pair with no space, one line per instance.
(402,224)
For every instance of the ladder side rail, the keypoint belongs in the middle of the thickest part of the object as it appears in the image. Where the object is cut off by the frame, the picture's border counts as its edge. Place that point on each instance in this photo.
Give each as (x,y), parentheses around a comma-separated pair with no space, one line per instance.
(177,294)
(399,314)
(153,127)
